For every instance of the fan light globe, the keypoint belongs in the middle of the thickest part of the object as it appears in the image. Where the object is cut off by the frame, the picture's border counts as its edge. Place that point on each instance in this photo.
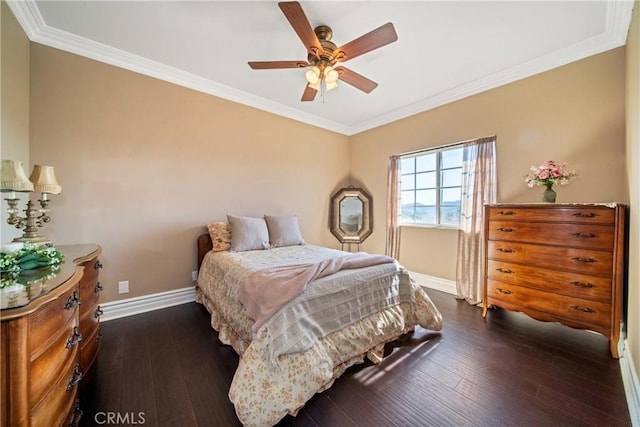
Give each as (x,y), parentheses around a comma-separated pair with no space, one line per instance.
(331,85)
(331,76)
(313,75)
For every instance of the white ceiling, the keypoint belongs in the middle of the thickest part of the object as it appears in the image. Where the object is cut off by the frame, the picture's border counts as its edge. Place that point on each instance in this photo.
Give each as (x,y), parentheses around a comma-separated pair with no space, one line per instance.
(445,51)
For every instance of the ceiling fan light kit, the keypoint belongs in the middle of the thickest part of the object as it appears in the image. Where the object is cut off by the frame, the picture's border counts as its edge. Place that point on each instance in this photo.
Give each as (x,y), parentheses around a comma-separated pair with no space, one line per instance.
(323,54)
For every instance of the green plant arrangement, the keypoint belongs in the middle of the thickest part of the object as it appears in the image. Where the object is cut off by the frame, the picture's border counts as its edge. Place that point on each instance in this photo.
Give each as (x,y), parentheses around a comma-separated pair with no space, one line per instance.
(31,262)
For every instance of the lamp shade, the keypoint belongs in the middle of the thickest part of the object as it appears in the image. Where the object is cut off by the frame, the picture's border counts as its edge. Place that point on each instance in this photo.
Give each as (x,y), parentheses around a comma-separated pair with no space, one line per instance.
(44,180)
(14,178)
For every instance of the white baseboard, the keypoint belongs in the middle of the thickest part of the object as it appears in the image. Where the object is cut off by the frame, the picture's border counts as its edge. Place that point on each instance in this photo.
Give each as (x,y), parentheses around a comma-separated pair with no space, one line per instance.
(129,307)
(437,283)
(631,384)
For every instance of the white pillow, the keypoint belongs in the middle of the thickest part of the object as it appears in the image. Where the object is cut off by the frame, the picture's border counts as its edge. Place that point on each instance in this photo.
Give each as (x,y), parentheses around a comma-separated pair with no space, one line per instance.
(283,230)
(248,233)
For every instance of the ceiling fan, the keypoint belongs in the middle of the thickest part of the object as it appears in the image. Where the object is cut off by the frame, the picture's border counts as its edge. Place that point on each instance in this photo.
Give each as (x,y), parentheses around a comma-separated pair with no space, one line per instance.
(323,54)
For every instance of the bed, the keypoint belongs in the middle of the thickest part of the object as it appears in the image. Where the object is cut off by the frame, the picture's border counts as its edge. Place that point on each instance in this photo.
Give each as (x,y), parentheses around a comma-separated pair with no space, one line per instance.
(298,345)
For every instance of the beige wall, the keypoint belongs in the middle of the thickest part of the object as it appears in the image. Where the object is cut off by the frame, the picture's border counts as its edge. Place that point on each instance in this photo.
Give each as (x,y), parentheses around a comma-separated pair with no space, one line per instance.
(574,113)
(14,102)
(146,164)
(633,173)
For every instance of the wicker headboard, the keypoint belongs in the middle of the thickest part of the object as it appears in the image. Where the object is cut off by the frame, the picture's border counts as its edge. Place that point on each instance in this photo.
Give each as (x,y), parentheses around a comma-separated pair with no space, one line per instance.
(204,245)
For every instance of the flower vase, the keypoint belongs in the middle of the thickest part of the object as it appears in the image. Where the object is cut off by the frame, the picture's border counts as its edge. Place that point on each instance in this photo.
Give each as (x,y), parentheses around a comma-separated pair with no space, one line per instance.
(549,196)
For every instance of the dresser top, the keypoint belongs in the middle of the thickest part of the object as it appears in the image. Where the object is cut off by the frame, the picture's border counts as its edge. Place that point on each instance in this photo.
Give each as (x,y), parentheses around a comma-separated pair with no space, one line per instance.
(611,205)
(39,288)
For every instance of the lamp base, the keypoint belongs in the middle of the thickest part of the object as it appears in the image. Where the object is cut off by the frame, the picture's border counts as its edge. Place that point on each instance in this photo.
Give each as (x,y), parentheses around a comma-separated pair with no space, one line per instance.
(36,240)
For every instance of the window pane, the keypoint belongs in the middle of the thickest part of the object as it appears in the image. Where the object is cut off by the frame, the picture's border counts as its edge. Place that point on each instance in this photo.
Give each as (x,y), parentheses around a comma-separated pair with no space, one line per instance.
(426,197)
(426,162)
(450,196)
(451,158)
(407,165)
(407,182)
(450,215)
(407,197)
(426,214)
(426,180)
(451,178)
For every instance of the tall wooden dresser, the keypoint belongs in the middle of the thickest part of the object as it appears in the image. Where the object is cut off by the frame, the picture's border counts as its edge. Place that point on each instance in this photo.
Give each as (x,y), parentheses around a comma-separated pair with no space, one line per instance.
(45,331)
(558,263)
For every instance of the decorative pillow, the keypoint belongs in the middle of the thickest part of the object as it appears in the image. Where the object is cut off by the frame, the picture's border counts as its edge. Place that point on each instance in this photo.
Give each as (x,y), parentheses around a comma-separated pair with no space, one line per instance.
(283,230)
(248,233)
(220,236)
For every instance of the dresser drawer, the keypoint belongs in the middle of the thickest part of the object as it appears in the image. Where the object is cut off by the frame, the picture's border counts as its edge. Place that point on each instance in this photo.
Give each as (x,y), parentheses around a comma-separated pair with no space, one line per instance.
(90,321)
(46,323)
(578,310)
(586,261)
(576,285)
(576,235)
(53,410)
(89,299)
(582,215)
(89,350)
(46,368)
(90,273)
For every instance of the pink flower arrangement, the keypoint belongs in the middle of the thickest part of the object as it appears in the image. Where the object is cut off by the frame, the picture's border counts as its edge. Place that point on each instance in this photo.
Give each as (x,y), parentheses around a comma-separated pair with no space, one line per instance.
(550,173)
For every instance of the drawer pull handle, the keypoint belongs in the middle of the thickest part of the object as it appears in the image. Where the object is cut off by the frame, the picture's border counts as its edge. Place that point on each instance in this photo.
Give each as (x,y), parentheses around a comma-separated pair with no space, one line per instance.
(585,260)
(506,229)
(505,270)
(583,284)
(585,215)
(72,301)
(582,309)
(97,265)
(98,313)
(74,339)
(584,235)
(504,291)
(506,213)
(77,414)
(99,336)
(506,250)
(98,288)
(75,378)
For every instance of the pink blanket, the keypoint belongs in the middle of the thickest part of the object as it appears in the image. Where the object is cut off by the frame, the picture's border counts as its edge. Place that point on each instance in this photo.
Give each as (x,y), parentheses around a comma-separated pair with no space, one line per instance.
(264,292)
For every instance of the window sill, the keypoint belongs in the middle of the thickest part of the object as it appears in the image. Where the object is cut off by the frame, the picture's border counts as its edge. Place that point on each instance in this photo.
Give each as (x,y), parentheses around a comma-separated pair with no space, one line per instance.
(436,226)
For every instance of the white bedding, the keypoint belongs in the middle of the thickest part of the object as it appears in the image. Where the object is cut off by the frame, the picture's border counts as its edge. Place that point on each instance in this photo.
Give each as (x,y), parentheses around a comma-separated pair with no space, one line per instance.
(304,347)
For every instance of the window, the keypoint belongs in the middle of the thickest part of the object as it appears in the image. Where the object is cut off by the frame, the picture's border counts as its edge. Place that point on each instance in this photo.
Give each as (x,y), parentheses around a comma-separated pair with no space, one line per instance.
(431,186)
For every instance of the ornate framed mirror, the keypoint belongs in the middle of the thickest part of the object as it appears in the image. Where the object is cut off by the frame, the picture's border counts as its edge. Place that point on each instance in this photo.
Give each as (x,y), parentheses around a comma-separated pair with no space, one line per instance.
(351,215)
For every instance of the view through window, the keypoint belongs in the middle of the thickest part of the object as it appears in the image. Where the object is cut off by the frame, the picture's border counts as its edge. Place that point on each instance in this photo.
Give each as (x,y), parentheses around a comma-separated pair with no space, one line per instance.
(431,187)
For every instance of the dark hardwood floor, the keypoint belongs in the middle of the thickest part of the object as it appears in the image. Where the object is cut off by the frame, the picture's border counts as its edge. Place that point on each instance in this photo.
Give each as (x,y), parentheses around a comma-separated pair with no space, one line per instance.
(167,368)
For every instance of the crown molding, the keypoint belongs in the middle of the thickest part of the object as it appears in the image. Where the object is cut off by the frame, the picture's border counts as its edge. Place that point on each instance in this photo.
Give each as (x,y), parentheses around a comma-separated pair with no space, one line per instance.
(29,17)
(615,35)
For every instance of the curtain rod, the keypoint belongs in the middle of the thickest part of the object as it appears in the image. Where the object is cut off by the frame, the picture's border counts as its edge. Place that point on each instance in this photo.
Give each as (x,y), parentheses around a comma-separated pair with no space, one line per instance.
(454,144)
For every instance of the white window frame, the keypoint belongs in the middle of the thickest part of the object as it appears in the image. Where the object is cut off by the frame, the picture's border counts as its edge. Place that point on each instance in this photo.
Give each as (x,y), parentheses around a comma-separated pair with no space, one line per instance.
(438,187)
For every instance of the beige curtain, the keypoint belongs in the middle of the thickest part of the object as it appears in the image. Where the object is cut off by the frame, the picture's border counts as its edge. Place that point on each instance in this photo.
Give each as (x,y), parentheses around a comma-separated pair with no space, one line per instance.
(392,247)
(478,188)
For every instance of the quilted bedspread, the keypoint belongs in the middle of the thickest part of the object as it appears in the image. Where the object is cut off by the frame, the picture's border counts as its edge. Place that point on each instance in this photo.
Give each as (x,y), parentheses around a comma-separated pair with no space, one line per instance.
(276,375)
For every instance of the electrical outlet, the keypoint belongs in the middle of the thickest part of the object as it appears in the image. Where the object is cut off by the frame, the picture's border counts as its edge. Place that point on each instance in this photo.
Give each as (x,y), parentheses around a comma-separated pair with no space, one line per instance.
(123,287)
(194,275)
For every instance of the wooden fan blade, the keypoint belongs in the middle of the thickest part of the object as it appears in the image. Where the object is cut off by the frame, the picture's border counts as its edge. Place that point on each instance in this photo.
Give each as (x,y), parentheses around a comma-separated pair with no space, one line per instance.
(356,80)
(298,20)
(268,65)
(379,37)
(309,93)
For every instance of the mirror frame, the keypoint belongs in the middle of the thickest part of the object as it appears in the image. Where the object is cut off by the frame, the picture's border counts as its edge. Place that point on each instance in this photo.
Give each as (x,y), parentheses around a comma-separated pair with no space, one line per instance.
(367,215)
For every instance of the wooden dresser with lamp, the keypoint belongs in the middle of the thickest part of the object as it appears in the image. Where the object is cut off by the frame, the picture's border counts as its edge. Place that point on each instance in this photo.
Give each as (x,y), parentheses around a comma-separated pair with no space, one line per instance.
(49,336)
(559,263)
